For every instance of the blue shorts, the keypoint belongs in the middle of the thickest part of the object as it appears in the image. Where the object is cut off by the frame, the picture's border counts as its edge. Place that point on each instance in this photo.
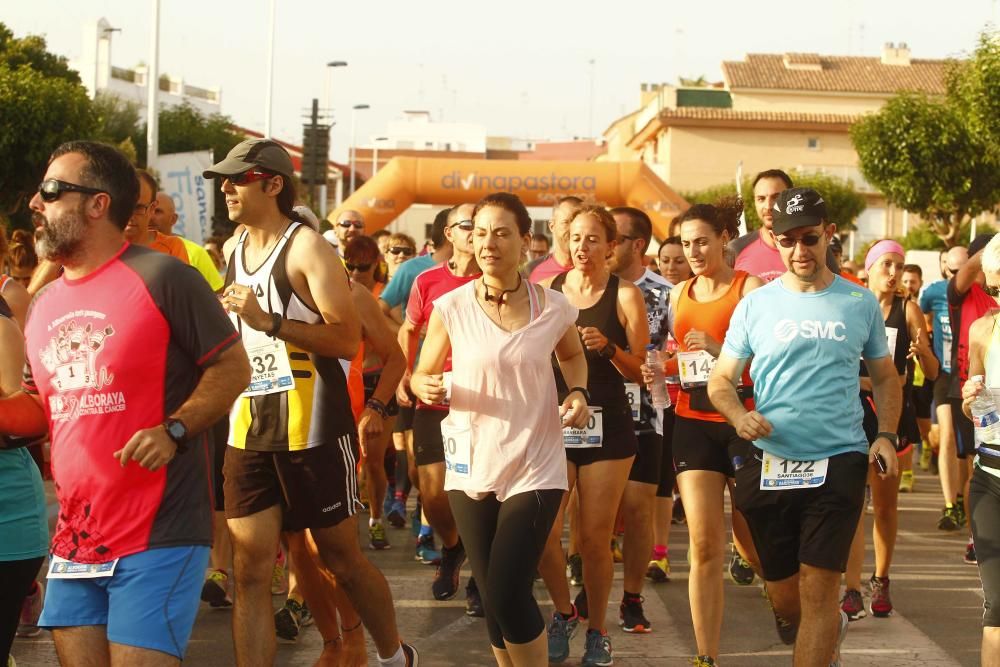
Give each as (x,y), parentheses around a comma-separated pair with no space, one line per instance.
(150,602)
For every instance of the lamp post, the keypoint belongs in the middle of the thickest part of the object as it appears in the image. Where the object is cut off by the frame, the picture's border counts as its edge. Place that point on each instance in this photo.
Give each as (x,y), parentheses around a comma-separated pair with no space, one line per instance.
(354,110)
(375,142)
(328,86)
(270,72)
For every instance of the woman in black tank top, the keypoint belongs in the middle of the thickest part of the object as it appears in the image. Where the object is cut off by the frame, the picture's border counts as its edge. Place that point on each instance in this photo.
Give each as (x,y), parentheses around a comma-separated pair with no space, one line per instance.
(908,341)
(614,331)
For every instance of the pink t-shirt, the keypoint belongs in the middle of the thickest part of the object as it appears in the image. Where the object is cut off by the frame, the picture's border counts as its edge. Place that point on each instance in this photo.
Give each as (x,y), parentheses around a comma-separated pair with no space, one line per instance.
(504,388)
(758,259)
(547,268)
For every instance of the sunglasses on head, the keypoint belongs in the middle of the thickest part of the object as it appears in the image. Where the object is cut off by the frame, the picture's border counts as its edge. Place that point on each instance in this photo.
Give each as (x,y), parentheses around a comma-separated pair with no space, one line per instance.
(464,225)
(360,268)
(249,176)
(806,240)
(401,250)
(357,224)
(52,189)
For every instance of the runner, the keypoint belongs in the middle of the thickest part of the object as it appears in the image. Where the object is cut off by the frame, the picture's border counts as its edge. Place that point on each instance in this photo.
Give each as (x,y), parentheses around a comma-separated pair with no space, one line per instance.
(400,248)
(704,446)
(923,388)
(506,470)
(671,261)
(138,232)
(984,489)
(349,225)
(13,287)
(634,232)
(539,247)
(559,261)
(611,322)
(134,360)
(907,337)
(291,462)
(805,333)
(427,441)
(162,218)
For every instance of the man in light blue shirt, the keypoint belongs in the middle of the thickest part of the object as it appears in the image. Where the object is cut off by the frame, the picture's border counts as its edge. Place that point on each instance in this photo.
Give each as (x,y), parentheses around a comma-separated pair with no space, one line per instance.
(802,486)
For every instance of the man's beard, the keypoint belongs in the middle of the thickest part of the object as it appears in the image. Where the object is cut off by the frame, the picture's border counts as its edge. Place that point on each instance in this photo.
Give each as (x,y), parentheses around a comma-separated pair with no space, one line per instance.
(59,239)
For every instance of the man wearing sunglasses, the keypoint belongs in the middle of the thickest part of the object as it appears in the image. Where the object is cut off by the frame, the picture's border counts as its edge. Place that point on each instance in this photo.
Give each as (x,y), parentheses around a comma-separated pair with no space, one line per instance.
(801,486)
(349,225)
(138,230)
(134,360)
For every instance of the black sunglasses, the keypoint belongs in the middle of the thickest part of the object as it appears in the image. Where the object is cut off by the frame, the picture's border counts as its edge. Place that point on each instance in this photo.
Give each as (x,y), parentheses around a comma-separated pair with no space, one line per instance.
(52,189)
(357,224)
(401,250)
(360,268)
(806,240)
(464,225)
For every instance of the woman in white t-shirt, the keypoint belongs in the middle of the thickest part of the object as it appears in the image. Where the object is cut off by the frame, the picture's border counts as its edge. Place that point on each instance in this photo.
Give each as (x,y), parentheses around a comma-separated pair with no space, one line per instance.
(505,462)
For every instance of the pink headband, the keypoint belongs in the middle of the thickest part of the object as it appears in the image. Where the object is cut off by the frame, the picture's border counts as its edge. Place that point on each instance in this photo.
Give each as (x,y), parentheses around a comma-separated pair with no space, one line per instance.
(881,248)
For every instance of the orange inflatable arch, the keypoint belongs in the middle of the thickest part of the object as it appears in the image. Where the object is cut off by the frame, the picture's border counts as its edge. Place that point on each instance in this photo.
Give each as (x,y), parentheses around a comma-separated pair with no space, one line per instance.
(442,181)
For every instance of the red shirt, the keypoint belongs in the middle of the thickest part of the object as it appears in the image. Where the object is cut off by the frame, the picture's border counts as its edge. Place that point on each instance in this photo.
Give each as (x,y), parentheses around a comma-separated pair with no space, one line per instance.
(759,259)
(547,268)
(110,354)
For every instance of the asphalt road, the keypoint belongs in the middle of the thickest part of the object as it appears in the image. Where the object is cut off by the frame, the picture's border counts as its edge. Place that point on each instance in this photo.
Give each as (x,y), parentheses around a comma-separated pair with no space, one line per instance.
(937,597)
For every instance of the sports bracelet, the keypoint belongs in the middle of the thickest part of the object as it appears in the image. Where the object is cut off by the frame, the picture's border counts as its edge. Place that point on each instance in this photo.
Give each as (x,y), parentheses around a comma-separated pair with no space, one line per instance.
(276,320)
(350,629)
(377,406)
(582,390)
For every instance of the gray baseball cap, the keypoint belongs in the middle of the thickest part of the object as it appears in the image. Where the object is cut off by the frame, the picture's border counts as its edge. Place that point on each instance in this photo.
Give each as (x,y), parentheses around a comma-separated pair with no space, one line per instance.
(251,153)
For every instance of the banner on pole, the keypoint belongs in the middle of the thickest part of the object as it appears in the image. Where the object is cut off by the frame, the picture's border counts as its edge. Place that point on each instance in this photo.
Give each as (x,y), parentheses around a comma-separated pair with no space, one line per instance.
(193,195)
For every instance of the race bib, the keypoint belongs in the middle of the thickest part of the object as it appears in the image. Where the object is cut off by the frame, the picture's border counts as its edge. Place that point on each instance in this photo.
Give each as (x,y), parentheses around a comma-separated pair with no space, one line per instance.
(270,370)
(777,473)
(60,568)
(891,333)
(457,449)
(694,368)
(446,380)
(633,396)
(946,343)
(589,437)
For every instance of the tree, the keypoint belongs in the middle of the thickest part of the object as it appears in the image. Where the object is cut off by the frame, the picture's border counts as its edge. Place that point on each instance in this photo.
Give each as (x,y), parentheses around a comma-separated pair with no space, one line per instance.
(843,203)
(31,51)
(116,119)
(975,84)
(924,158)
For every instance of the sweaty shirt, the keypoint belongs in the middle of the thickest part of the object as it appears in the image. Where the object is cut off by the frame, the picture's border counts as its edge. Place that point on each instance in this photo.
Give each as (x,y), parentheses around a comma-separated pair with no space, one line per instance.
(805,348)
(109,354)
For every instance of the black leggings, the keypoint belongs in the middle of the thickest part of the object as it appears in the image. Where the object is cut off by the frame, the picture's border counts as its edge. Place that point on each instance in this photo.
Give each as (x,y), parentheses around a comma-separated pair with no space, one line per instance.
(15,582)
(504,542)
(984,515)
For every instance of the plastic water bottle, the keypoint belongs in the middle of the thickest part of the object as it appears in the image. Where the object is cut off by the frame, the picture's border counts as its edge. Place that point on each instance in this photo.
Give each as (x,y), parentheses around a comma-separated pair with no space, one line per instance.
(658,388)
(984,415)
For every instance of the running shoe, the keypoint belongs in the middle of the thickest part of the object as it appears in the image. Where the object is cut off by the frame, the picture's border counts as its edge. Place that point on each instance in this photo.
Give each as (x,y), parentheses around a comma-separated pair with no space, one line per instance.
(279,577)
(970,554)
(906,481)
(616,551)
(787,632)
(215,590)
(10,661)
(426,553)
(31,609)
(740,571)
(840,640)
(560,631)
(658,571)
(574,568)
(631,617)
(396,516)
(411,655)
(949,519)
(415,520)
(390,496)
(288,620)
(473,600)
(881,603)
(597,650)
(445,583)
(677,515)
(960,509)
(925,457)
(853,605)
(702,661)
(581,604)
(376,536)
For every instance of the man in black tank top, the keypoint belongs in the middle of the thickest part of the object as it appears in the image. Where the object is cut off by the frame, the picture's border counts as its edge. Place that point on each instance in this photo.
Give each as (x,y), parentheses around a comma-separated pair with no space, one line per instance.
(296,322)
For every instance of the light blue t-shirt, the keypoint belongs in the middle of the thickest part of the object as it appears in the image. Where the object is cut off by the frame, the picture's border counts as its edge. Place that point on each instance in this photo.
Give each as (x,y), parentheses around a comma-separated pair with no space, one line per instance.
(934,301)
(805,348)
(23,520)
(397,292)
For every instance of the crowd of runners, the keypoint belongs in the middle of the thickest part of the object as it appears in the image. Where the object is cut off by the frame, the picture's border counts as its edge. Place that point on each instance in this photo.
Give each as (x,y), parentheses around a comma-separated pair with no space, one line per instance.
(217,419)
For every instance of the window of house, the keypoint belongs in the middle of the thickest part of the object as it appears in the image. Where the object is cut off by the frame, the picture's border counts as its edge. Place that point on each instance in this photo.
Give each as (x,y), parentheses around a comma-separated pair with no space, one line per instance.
(812,143)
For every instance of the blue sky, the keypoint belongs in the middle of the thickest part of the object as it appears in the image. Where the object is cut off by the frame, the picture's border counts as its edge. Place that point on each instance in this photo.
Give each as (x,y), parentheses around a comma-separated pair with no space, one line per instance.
(520,68)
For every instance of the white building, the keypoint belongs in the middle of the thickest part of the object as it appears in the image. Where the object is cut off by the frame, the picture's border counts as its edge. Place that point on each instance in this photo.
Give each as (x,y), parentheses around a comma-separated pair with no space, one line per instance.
(99,75)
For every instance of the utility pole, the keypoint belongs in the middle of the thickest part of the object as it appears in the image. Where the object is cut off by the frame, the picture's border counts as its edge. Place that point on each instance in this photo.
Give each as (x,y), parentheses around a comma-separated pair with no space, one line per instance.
(153,91)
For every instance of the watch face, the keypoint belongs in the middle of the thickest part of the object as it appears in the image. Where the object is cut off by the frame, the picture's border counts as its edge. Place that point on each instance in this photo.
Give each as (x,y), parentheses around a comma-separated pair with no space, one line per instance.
(176,430)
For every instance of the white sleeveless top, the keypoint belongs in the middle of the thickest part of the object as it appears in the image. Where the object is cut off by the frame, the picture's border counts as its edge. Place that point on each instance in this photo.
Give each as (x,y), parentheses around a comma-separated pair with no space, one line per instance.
(503,386)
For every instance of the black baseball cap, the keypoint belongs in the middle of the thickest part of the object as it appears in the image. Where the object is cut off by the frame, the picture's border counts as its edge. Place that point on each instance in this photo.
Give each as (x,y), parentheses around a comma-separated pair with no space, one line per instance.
(251,153)
(798,207)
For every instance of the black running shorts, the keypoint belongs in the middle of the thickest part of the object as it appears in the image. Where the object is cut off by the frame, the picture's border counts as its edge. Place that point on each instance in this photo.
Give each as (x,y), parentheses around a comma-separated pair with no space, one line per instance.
(428,446)
(705,445)
(646,465)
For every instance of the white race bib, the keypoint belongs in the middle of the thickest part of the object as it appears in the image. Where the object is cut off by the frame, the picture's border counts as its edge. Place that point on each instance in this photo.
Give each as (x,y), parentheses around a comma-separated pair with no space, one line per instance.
(778,474)
(60,568)
(270,370)
(695,367)
(632,394)
(588,437)
(946,343)
(457,449)
(891,333)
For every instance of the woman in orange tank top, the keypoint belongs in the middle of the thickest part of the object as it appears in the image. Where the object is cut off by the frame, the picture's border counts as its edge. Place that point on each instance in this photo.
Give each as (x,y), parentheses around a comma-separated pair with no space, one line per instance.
(703,443)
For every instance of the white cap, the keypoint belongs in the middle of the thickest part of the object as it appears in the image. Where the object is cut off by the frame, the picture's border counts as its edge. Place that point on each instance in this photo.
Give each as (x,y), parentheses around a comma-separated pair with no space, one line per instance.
(331,236)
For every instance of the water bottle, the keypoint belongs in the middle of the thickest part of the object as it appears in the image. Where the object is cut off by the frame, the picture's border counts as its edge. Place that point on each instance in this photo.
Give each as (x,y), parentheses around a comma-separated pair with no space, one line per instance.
(984,415)
(658,388)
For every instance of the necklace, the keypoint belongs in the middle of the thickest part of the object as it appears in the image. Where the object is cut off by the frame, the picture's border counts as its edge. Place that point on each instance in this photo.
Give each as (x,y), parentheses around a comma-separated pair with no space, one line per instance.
(500,298)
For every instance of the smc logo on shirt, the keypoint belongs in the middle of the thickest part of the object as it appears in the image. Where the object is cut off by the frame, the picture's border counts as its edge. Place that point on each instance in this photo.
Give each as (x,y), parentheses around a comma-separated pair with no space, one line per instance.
(786,330)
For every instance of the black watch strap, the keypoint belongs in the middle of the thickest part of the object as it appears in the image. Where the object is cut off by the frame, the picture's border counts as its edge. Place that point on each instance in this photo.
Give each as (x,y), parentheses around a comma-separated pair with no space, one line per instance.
(891,437)
(177,431)
(582,390)
(608,351)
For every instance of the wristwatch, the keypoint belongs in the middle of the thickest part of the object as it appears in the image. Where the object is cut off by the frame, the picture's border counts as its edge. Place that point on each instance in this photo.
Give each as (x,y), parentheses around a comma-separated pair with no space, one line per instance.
(891,437)
(608,351)
(177,431)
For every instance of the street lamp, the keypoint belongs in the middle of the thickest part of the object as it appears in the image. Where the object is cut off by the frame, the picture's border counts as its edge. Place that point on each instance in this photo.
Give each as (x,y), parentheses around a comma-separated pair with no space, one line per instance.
(327,88)
(376,141)
(354,110)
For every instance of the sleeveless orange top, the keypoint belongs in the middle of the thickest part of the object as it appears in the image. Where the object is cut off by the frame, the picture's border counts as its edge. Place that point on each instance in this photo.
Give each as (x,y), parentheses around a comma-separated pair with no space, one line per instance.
(712,317)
